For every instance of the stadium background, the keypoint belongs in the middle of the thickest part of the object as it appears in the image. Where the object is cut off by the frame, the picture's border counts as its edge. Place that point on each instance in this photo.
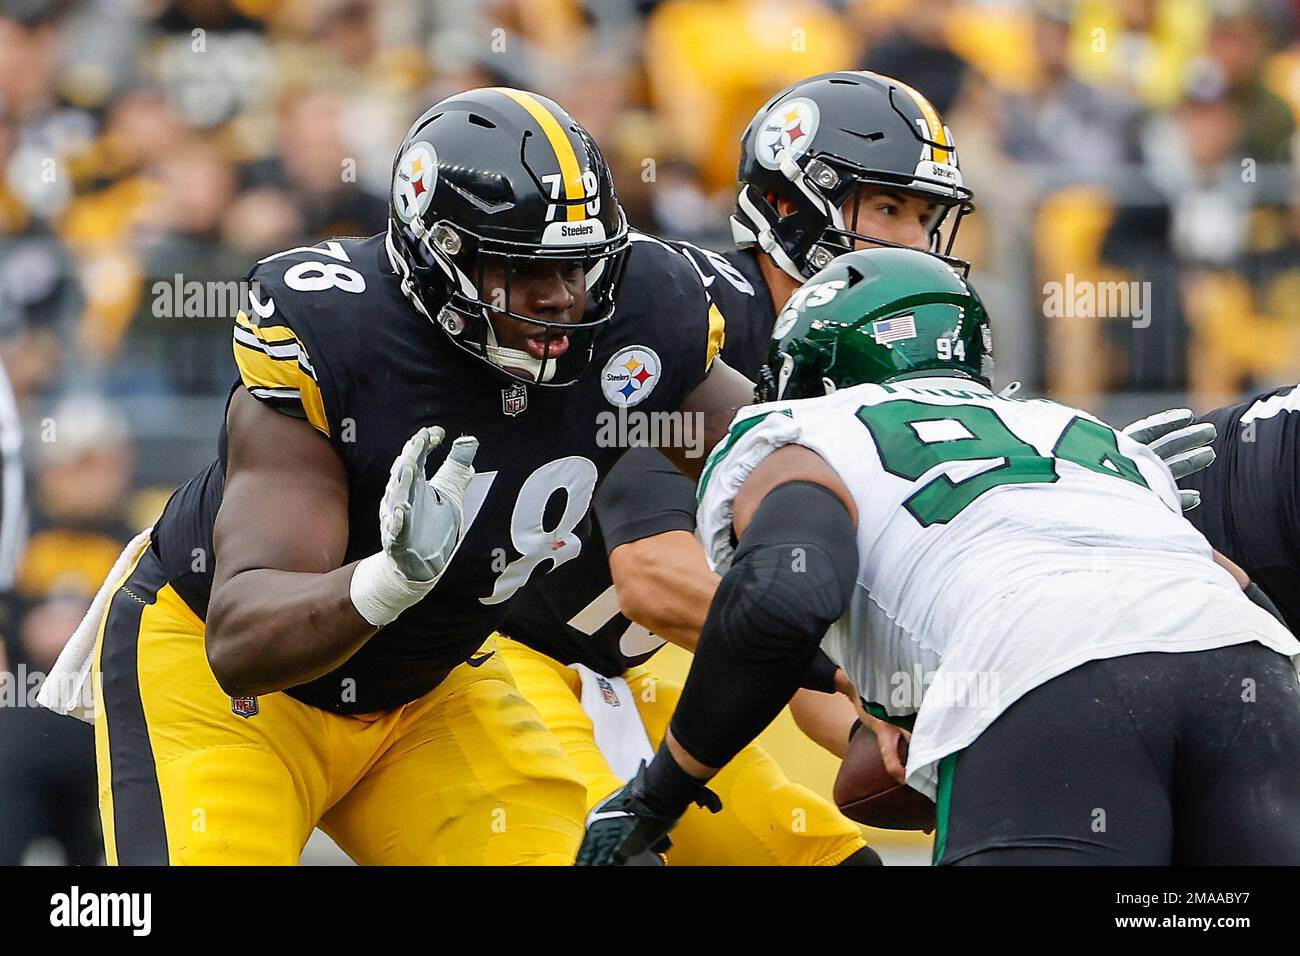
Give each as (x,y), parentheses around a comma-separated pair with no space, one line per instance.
(148,143)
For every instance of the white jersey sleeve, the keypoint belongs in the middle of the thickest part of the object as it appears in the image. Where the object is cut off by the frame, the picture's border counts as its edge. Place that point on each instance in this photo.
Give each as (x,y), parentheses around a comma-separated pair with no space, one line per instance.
(755,433)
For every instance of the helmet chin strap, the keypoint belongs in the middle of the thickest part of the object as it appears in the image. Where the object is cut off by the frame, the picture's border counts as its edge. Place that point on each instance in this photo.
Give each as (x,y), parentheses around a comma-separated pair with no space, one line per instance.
(541,370)
(403,272)
(764,238)
(783,375)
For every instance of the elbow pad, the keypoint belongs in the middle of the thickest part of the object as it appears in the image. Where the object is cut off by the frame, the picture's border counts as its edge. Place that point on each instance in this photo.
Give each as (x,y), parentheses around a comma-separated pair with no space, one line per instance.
(821,674)
(792,577)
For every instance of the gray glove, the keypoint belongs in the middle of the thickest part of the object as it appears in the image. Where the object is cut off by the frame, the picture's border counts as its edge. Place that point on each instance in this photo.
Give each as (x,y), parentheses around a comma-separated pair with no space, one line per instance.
(421,524)
(420,521)
(1181,445)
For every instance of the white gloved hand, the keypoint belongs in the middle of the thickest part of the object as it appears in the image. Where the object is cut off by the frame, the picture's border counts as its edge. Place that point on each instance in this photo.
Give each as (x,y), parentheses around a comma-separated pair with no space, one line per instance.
(421,524)
(1181,445)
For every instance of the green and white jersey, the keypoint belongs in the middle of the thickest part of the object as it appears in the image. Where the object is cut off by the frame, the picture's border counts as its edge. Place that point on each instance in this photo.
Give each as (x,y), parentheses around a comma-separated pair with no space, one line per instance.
(1001,543)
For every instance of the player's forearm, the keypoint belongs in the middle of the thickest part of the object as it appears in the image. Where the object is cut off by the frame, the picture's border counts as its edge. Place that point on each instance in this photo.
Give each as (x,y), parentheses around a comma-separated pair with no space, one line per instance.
(269,630)
(672,563)
(826,719)
(1238,575)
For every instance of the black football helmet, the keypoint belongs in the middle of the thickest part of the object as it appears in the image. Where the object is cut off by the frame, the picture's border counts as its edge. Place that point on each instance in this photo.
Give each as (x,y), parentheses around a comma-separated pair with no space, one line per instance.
(498,182)
(817,142)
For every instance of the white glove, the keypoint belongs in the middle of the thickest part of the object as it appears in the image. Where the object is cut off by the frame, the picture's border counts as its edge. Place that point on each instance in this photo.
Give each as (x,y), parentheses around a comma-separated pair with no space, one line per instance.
(1184,447)
(421,524)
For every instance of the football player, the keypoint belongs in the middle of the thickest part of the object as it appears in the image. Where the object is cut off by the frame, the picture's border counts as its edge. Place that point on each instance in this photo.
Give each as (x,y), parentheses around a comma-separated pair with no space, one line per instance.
(300,641)
(838,161)
(1085,680)
(1249,510)
(835,161)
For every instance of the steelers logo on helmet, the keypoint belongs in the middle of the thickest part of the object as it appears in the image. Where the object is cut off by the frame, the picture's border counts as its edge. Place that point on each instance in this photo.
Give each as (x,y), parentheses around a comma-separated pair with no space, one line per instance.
(788,127)
(630,375)
(417,173)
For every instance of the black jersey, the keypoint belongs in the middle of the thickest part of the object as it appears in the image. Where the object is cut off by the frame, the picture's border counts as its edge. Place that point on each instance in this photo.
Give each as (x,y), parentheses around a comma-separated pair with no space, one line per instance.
(737,286)
(1250,496)
(333,340)
(572,615)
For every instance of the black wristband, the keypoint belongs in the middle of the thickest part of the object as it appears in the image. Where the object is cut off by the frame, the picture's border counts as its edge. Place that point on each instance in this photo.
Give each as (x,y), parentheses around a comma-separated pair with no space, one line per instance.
(853,731)
(669,789)
(1256,594)
(821,674)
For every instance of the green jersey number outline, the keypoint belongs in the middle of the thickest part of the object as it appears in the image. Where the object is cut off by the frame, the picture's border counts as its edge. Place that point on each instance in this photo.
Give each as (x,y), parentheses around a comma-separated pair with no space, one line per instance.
(906,454)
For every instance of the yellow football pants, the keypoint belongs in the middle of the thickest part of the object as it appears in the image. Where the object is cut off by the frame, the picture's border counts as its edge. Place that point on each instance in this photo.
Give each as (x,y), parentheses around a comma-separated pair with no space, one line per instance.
(766,820)
(467,774)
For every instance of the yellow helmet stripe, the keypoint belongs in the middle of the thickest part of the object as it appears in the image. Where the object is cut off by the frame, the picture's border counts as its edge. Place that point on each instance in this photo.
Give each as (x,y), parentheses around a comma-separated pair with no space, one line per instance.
(937,132)
(570,168)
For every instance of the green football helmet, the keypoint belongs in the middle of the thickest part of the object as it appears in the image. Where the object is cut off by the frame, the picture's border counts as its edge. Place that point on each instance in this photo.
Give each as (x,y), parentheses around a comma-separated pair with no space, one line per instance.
(873,316)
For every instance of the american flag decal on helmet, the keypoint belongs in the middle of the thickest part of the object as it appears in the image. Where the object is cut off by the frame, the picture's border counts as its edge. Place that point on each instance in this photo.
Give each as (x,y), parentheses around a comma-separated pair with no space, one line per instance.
(888,331)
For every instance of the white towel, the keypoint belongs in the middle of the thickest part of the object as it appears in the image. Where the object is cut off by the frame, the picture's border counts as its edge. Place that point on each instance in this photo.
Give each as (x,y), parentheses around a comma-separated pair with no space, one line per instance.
(67,687)
(619,732)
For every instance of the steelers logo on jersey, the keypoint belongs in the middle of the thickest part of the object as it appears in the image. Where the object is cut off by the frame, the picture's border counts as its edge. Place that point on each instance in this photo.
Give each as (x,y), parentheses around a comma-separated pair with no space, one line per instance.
(630,375)
(417,172)
(789,126)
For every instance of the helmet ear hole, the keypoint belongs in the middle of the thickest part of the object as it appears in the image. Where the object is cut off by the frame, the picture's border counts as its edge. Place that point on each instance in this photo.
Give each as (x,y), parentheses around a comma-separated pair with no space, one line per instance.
(828,385)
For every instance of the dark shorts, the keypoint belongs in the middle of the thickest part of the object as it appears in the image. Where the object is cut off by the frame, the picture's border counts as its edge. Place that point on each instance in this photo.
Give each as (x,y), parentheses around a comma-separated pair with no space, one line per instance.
(1148,759)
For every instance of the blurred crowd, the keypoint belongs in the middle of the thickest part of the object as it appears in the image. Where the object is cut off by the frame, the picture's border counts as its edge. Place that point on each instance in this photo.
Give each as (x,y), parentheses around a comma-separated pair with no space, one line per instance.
(145,143)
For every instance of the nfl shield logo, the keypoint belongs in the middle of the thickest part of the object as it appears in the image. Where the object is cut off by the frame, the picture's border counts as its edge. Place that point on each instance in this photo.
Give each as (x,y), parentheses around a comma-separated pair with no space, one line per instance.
(607,693)
(514,399)
(243,707)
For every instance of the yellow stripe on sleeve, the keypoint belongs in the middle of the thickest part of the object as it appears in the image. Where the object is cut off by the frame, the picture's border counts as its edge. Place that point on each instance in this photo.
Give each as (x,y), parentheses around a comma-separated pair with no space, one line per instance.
(260,371)
(267,333)
(717,336)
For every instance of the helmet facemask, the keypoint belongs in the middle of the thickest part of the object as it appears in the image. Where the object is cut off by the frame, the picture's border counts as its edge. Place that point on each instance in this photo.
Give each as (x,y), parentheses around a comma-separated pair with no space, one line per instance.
(486,275)
(952,204)
(824,223)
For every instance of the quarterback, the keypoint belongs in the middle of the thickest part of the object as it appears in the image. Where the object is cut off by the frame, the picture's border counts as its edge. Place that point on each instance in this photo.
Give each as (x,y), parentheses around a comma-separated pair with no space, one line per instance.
(1096,687)
(300,641)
